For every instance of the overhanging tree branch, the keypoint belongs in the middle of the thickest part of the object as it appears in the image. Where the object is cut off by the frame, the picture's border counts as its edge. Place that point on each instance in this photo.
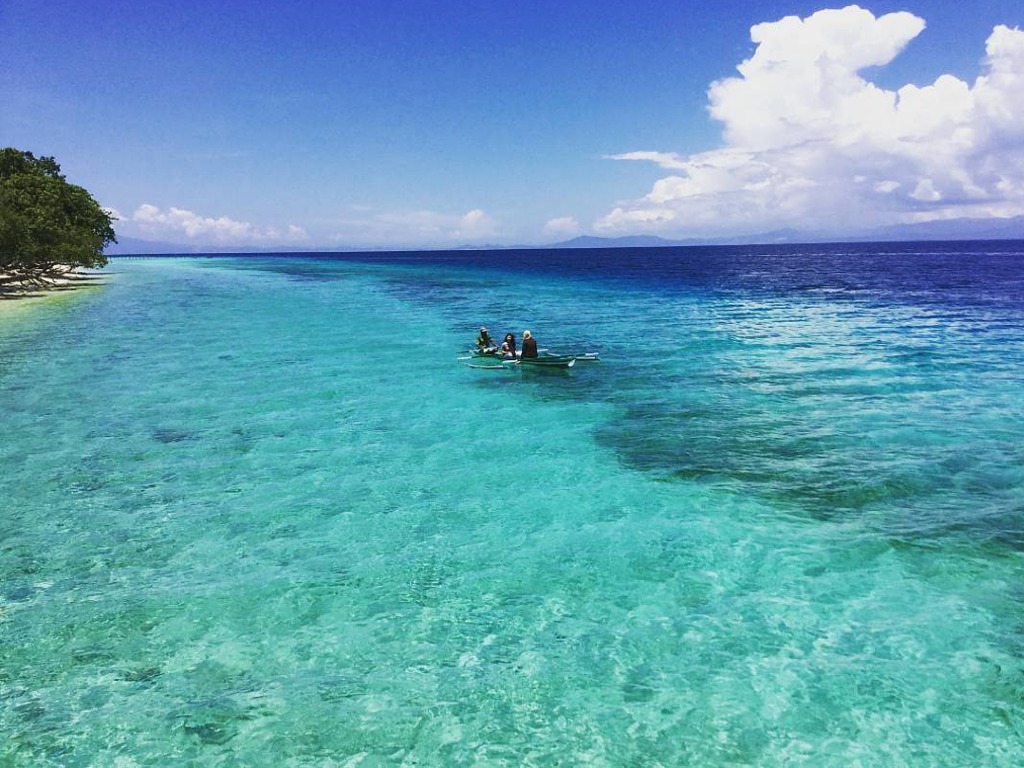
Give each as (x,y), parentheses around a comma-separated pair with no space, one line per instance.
(47,224)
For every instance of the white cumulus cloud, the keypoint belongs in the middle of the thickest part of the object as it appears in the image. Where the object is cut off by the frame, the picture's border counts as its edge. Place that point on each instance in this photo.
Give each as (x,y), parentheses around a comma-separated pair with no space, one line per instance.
(809,143)
(150,221)
(474,225)
(562,226)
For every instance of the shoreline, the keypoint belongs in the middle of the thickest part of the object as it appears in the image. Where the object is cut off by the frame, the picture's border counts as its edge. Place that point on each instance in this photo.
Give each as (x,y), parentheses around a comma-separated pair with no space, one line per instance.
(23,294)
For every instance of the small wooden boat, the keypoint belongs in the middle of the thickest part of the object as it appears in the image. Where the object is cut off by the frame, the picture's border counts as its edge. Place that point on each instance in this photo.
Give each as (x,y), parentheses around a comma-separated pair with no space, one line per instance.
(546,359)
(486,361)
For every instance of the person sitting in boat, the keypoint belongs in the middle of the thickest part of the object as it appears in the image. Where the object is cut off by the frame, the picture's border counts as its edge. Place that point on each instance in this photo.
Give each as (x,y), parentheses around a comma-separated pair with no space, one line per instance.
(508,347)
(484,343)
(529,345)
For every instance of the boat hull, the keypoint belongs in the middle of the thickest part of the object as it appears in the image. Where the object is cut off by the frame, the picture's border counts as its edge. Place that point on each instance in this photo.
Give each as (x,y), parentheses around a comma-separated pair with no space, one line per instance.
(495,361)
(548,361)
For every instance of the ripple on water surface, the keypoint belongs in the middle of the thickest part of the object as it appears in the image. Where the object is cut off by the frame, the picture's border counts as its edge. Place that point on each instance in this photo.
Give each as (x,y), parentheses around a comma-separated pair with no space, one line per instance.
(257,515)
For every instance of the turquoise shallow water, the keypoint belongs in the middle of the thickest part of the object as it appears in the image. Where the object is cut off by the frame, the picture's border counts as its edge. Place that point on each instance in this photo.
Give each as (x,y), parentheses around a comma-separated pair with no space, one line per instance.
(255,513)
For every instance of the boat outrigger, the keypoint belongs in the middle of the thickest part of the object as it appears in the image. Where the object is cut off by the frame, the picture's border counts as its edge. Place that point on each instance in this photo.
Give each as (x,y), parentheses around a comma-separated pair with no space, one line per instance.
(494,361)
(546,361)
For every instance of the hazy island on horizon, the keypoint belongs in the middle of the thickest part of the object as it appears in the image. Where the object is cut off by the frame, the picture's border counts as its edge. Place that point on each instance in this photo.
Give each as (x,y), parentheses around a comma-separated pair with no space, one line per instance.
(951,230)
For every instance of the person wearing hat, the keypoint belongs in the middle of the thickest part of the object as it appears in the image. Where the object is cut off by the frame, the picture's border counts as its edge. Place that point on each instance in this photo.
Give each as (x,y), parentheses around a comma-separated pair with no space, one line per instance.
(529,345)
(484,343)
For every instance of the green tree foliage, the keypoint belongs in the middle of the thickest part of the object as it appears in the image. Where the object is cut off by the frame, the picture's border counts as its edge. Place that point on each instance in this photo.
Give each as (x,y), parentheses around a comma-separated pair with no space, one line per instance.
(45,222)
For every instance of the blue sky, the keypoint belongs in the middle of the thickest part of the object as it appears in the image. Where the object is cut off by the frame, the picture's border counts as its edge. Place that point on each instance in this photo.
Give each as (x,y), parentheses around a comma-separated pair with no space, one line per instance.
(414,123)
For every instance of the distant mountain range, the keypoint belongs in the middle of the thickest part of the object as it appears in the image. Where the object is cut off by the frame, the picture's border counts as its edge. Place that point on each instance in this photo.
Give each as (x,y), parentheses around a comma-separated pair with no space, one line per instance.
(953,229)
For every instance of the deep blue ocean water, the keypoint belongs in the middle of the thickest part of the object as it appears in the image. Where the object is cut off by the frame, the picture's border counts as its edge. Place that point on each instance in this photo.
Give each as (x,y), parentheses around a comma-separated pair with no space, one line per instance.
(254,511)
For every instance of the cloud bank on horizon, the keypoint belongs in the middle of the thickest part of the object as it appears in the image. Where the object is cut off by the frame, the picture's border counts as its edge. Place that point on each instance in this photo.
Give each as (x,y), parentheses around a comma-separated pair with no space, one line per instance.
(152,222)
(809,143)
(377,228)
